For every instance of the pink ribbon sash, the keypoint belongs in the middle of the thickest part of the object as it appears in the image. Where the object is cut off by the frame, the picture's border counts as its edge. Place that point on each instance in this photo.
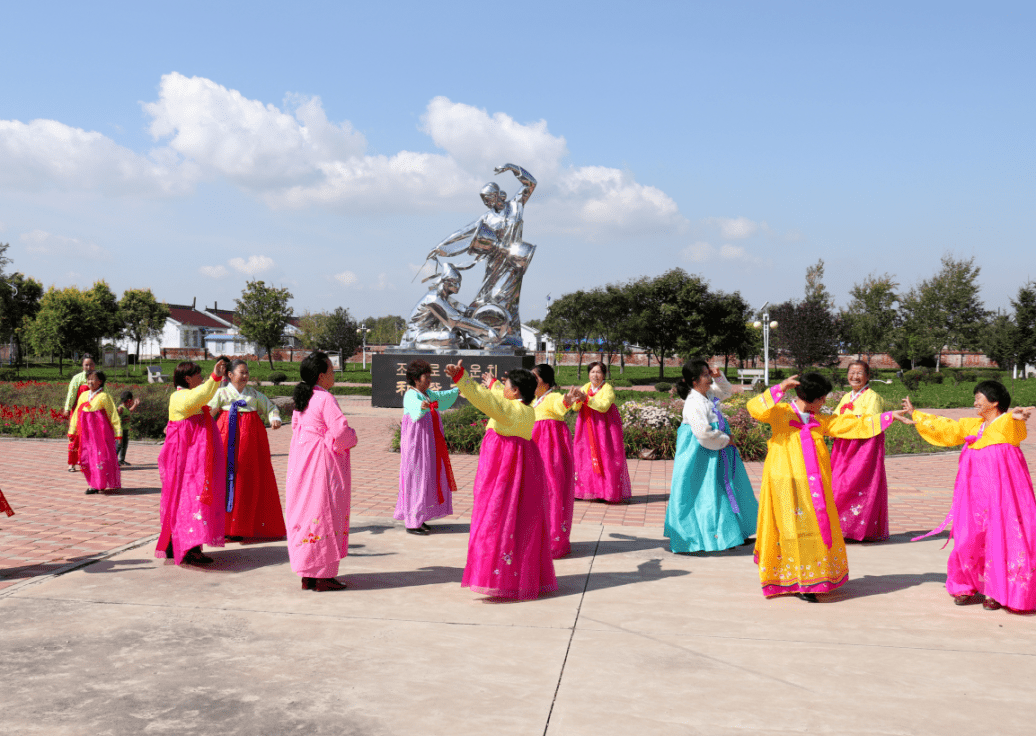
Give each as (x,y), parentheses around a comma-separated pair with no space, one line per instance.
(816,480)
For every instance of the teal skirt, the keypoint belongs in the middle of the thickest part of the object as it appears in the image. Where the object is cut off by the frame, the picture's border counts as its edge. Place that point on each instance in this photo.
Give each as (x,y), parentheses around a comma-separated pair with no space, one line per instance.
(699,516)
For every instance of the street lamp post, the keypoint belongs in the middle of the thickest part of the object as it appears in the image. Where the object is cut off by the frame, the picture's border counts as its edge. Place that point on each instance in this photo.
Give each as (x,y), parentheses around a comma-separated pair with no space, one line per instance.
(765,325)
(363,330)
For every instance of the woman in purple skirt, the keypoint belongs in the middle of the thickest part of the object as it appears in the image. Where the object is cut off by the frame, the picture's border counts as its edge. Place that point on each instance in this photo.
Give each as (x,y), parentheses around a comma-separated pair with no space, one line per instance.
(426,483)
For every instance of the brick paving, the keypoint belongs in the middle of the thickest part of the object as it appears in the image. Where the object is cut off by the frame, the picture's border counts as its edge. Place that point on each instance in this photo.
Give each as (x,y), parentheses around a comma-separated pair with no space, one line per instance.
(57,526)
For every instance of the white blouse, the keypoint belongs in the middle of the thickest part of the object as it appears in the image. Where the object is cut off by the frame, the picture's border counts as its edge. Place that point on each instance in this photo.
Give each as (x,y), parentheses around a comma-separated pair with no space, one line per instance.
(700,414)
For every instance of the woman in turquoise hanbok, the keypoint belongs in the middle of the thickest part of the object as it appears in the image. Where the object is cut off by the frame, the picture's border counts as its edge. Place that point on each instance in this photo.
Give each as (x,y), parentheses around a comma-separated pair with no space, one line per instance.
(711,503)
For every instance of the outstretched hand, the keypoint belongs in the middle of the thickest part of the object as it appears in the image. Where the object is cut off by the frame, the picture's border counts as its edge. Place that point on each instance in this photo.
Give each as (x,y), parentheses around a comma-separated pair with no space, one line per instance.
(901,415)
(452,370)
(1022,413)
(575,395)
(221,368)
(487,379)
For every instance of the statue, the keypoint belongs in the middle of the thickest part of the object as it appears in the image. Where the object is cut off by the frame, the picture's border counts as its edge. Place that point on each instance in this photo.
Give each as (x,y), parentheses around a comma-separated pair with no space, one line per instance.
(491,319)
(439,321)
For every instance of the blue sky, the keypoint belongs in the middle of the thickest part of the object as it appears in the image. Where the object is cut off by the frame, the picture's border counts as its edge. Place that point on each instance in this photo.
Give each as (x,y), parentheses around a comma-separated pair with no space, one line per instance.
(326,147)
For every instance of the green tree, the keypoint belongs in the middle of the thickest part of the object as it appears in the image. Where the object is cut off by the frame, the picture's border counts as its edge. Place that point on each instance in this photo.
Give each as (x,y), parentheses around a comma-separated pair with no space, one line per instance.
(612,307)
(102,320)
(1025,323)
(142,315)
(947,307)
(311,329)
(61,325)
(340,333)
(729,325)
(1000,341)
(385,330)
(263,314)
(570,318)
(869,322)
(670,315)
(807,333)
(19,305)
(816,292)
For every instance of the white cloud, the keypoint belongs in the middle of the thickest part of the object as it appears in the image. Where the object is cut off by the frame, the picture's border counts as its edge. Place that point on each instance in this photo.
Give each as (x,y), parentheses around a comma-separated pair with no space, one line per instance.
(42,243)
(214,272)
(254,265)
(382,284)
(256,146)
(737,228)
(701,252)
(347,278)
(293,156)
(697,252)
(479,142)
(46,153)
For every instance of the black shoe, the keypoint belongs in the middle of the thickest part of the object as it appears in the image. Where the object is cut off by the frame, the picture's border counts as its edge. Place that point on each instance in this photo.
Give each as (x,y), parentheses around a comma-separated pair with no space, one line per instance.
(322,585)
(309,583)
(90,491)
(233,538)
(195,556)
(426,527)
(169,550)
(808,597)
(419,530)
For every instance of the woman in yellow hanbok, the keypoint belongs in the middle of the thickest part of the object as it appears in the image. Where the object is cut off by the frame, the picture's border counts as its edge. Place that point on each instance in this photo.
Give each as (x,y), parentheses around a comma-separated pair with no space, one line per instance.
(799,546)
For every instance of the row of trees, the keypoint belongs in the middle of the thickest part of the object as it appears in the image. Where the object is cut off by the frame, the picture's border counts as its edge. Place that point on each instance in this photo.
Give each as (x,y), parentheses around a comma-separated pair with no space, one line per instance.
(677,314)
(672,314)
(942,313)
(67,321)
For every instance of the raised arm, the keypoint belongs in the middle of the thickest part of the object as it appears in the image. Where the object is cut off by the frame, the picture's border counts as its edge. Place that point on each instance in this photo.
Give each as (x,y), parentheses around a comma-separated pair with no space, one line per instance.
(527,180)
(443,249)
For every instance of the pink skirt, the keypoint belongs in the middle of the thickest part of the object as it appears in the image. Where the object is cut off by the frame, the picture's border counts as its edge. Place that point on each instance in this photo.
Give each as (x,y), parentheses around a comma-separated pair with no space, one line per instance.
(994,528)
(509,546)
(184,466)
(97,456)
(613,484)
(554,441)
(860,488)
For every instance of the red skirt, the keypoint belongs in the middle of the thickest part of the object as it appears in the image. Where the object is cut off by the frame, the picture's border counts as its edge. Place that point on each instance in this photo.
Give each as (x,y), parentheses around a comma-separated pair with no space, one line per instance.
(257,504)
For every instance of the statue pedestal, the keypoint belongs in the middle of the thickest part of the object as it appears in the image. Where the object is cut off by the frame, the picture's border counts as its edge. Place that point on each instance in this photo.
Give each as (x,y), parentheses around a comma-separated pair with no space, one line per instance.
(388,369)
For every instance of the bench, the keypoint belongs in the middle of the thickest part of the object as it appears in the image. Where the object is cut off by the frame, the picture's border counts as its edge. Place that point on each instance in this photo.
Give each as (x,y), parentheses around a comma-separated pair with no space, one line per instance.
(750,374)
(154,374)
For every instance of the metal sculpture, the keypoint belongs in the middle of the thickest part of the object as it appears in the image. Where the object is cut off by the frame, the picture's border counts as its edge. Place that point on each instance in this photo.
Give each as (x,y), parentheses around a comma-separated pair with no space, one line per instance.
(491,319)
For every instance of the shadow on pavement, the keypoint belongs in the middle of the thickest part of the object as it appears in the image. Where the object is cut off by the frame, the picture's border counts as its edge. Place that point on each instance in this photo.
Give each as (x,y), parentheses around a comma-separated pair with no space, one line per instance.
(404,578)
(881,584)
(646,572)
(614,544)
(132,492)
(242,559)
(649,498)
(901,538)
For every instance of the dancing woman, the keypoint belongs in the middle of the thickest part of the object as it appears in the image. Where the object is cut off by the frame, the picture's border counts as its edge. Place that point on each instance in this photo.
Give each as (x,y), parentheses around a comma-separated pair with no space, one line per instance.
(993,512)
(711,503)
(95,428)
(193,468)
(600,451)
(426,483)
(509,545)
(253,500)
(319,478)
(858,479)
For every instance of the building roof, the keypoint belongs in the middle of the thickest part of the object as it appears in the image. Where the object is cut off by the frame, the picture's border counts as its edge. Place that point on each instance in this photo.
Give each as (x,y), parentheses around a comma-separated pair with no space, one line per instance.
(186,315)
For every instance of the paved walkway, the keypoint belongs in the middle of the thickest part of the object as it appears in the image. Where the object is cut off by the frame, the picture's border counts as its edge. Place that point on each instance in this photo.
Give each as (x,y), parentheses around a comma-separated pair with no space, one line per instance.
(635,641)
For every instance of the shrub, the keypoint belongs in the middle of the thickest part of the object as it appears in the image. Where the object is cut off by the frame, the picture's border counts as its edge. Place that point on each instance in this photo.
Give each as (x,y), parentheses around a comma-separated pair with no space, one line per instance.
(651,413)
(912,379)
(277,378)
(747,435)
(650,442)
(931,377)
(662,387)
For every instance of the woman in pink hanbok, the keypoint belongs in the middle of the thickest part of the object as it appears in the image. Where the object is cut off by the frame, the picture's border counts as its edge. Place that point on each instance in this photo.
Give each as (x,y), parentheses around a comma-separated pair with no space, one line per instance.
(193,468)
(994,512)
(96,422)
(426,482)
(858,479)
(600,451)
(318,488)
(509,546)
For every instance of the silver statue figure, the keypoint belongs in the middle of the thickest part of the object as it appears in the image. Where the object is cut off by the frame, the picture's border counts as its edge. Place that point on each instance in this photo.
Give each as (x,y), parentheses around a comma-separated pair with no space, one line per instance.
(495,239)
(440,321)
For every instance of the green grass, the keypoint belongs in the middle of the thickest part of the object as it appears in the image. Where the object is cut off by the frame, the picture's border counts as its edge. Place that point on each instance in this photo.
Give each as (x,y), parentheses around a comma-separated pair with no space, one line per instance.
(42,371)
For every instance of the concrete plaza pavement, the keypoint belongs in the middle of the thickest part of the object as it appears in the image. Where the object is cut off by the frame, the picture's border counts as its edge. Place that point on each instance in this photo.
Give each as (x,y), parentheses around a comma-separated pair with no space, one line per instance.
(636,640)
